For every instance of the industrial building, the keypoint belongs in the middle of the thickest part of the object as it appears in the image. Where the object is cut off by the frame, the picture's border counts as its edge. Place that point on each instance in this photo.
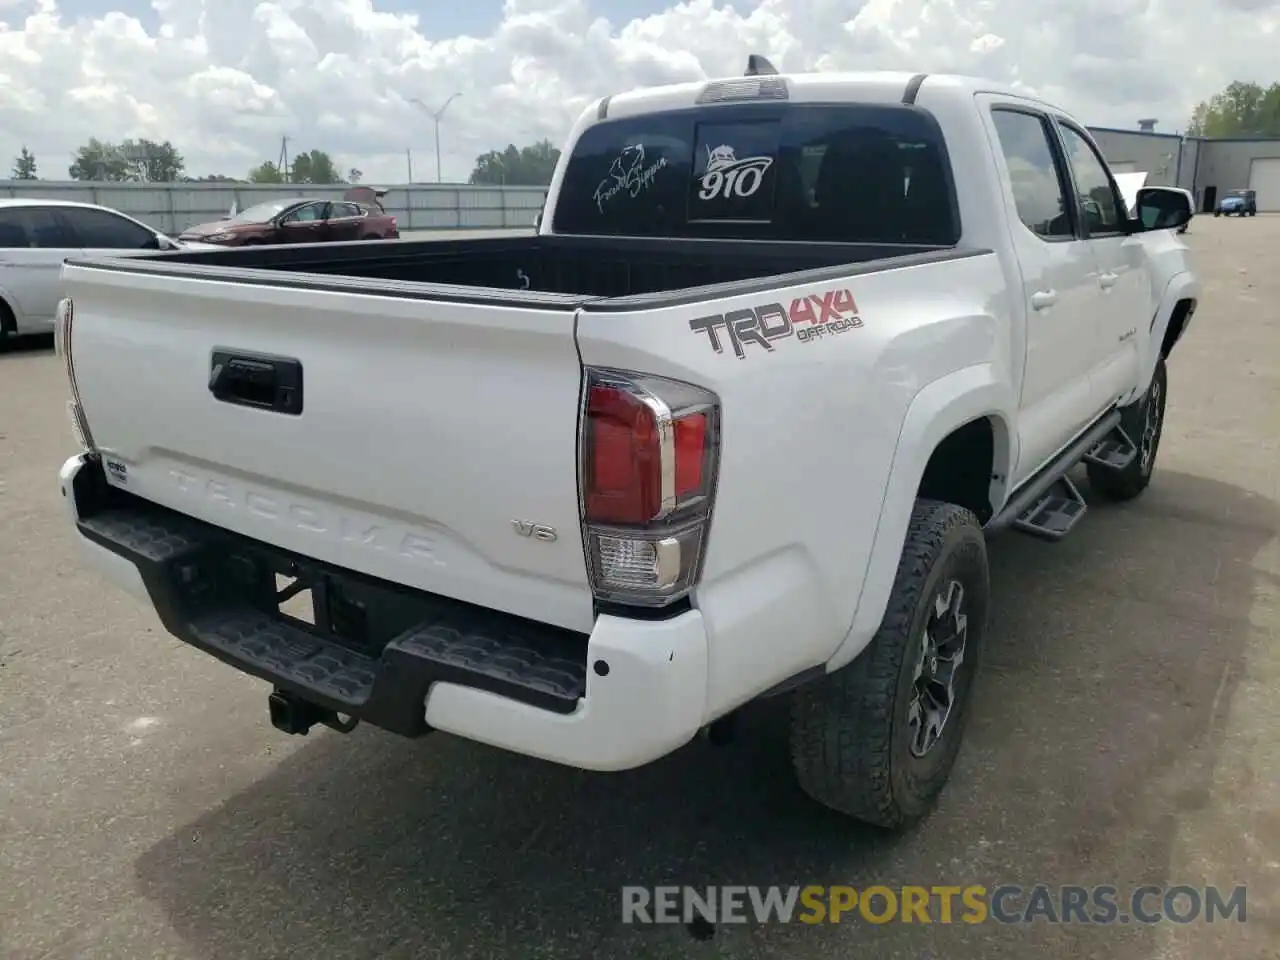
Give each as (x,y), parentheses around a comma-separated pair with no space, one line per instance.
(1206,167)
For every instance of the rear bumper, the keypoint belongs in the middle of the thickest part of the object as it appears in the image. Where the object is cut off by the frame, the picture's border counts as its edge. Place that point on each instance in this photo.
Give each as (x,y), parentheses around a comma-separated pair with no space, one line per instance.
(629,693)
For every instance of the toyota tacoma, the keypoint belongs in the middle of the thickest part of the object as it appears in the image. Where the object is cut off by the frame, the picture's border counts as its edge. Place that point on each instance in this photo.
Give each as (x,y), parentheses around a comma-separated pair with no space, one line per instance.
(735,423)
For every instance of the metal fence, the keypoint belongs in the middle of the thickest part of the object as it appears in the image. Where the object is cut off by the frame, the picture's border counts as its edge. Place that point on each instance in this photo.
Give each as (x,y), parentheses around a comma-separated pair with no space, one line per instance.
(171,207)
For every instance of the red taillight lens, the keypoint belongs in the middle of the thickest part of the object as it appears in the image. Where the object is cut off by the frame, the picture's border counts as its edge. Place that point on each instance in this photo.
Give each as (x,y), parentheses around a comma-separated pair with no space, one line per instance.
(691,445)
(649,456)
(643,460)
(624,465)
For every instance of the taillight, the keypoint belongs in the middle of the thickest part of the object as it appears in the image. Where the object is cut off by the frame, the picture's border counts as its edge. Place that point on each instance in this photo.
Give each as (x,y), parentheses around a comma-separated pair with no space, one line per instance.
(62,326)
(649,455)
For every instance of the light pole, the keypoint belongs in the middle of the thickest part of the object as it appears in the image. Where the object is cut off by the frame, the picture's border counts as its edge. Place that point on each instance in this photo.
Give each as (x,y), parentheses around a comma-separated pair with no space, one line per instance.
(436,115)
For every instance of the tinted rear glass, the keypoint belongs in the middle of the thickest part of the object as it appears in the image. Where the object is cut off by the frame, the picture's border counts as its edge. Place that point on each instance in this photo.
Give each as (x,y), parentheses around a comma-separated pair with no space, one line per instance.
(876,174)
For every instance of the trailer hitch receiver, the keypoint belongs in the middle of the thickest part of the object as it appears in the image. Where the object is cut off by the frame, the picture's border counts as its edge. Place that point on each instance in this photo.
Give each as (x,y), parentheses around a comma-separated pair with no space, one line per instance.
(294,715)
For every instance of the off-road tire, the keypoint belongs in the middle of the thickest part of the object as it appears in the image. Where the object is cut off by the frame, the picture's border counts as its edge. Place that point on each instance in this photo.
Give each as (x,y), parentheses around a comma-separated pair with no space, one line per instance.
(849,730)
(1121,485)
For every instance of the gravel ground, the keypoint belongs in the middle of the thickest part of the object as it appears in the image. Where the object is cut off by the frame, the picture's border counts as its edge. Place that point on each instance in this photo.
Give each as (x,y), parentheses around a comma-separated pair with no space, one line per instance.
(1124,733)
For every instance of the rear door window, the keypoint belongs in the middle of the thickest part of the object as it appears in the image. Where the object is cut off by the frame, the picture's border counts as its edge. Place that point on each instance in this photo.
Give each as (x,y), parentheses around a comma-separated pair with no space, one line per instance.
(33,228)
(822,172)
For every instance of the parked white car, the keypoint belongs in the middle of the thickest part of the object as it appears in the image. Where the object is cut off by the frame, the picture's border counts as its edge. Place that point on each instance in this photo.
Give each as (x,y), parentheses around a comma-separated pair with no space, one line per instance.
(36,236)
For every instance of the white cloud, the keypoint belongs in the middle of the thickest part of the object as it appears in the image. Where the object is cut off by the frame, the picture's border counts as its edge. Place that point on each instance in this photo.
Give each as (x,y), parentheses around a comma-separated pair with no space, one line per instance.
(224,79)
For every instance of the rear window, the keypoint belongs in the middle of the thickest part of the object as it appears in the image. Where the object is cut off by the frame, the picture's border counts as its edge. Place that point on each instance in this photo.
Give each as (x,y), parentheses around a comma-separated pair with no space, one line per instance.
(847,173)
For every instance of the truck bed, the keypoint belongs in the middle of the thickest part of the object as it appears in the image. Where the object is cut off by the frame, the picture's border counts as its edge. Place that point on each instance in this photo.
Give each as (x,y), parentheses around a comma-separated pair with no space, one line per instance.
(525,269)
(400,409)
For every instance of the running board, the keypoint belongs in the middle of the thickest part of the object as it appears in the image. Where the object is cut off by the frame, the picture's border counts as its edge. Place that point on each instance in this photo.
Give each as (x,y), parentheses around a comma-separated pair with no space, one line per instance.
(1055,514)
(1115,451)
(1049,505)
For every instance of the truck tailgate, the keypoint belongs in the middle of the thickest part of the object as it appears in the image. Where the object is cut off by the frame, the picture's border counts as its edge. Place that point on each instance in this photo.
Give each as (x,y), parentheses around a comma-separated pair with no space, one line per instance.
(433,436)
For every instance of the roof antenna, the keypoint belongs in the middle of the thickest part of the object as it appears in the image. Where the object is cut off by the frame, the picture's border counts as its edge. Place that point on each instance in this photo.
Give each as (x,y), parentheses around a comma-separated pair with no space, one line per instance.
(758,66)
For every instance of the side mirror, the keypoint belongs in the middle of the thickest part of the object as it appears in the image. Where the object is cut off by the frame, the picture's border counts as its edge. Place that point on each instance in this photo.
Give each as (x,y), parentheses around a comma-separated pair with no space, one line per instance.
(1161,208)
(537,221)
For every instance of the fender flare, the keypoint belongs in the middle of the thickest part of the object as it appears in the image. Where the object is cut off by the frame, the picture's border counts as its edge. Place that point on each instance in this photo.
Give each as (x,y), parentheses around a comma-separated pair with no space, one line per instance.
(1181,286)
(935,412)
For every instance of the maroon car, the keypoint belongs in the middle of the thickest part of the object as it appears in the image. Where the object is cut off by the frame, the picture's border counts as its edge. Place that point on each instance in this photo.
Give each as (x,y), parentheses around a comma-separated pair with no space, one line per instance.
(299,220)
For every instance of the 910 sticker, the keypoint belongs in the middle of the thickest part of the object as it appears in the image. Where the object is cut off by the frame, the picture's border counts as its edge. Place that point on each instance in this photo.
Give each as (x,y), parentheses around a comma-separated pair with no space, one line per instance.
(727,176)
(809,318)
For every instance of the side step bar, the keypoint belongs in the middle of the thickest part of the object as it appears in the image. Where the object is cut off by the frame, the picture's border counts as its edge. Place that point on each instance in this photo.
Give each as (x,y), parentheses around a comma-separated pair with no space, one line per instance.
(1055,514)
(1115,451)
(1048,505)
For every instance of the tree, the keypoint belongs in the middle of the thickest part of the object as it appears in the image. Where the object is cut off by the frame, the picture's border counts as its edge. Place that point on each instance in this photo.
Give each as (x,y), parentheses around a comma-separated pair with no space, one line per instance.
(98,160)
(213,178)
(525,166)
(314,166)
(266,172)
(310,166)
(1239,109)
(24,167)
(141,160)
(152,162)
(355,175)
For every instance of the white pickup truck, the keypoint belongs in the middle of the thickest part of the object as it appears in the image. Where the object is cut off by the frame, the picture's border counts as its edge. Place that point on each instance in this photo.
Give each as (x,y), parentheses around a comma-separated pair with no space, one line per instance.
(732,424)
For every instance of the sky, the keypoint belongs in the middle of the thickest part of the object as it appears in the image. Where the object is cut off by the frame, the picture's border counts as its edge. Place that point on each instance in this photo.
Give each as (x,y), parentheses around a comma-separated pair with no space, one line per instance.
(224,80)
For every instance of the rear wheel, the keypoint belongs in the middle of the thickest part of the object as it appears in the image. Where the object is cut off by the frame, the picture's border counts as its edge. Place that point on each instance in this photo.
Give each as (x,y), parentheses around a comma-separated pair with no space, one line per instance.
(876,739)
(1143,421)
(8,323)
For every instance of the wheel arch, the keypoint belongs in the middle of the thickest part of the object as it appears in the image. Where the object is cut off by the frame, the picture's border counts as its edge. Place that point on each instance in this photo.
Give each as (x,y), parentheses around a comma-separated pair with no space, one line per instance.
(956,429)
(1178,319)
(8,314)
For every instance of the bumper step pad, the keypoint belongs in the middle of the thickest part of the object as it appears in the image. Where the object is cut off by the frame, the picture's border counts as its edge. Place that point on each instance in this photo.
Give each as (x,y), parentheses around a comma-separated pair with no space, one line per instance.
(188,568)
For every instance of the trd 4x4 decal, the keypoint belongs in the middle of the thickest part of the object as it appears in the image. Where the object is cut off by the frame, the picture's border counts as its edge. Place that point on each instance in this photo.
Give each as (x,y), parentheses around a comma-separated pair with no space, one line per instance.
(809,318)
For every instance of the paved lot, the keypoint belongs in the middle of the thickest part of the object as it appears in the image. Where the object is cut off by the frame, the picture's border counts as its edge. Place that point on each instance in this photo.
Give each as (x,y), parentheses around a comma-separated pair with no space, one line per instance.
(1125,734)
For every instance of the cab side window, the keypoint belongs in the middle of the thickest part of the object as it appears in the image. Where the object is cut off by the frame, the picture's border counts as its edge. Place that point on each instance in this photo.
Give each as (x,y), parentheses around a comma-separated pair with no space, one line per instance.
(1101,211)
(1039,188)
(103,230)
(309,213)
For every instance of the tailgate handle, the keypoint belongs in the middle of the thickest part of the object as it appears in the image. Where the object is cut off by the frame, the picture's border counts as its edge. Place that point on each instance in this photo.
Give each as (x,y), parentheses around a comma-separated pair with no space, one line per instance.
(257,380)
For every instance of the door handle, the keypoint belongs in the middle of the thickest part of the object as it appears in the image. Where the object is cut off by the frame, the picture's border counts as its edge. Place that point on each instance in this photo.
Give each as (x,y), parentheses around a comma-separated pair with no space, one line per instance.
(257,380)
(1107,280)
(1043,299)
